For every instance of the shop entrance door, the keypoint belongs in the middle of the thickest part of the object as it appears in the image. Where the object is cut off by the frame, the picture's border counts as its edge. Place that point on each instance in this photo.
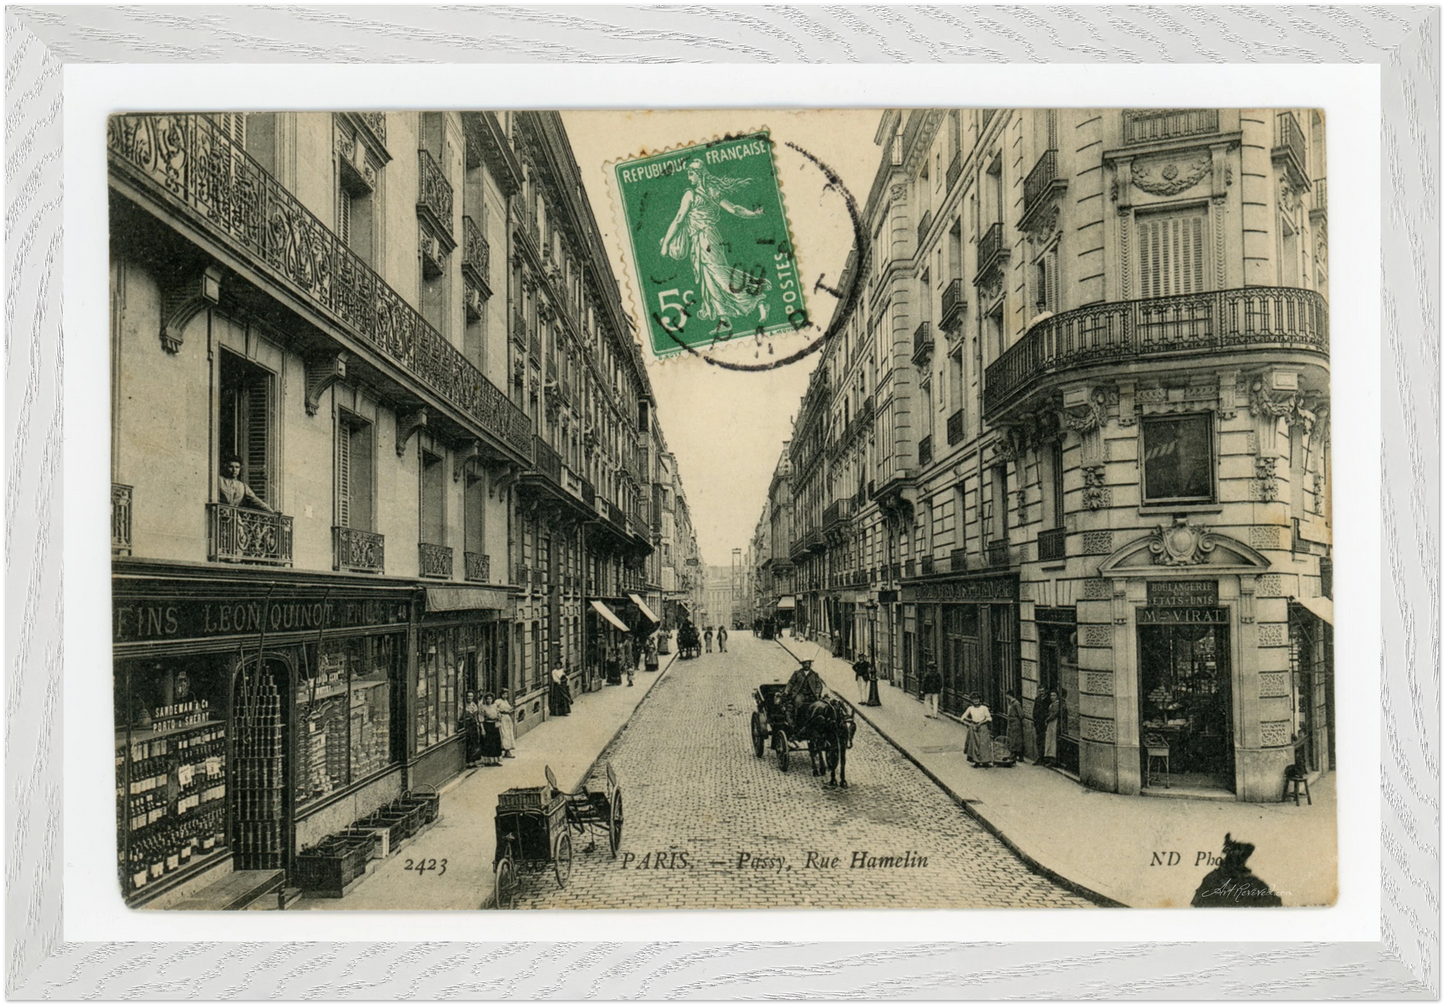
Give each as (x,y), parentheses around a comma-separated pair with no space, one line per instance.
(1185,703)
(258,792)
(1059,672)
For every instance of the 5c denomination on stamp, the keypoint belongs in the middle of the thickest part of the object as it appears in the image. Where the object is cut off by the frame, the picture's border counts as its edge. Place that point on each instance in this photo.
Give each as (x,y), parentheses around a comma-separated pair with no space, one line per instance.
(711,247)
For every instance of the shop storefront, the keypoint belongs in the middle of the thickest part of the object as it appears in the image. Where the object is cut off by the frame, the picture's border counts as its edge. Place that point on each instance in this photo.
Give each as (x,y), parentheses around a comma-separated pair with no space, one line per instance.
(969,627)
(609,641)
(1058,670)
(248,714)
(1312,686)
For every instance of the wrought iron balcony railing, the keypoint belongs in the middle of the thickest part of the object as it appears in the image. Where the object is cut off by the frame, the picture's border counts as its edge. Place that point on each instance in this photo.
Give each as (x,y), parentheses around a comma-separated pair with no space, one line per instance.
(1319,198)
(546,460)
(837,512)
(925,451)
(923,224)
(922,343)
(434,194)
(238,534)
(477,566)
(476,254)
(1052,545)
(1289,148)
(991,251)
(120,518)
(998,553)
(955,428)
(1042,185)
(1146,125)
(434,560)
(358,551)
(1252,318)
(186,159)
(953,305)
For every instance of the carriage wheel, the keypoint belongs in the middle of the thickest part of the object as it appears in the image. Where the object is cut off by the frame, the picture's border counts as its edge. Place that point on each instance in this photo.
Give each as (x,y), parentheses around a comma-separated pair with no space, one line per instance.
(614,824)
(780,738)
(757,736)
(506,883)
(562,861)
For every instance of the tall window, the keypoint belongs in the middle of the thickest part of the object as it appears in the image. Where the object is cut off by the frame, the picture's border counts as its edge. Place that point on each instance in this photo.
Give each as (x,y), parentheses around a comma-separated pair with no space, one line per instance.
(433,519)
(247,421)
(354,464)
(1289,271)
(955,379)
(357,175)
(993,192)
(1173,252)
(1051,484)
(475,516)
(998,502)
(1178,459)
(1046,281)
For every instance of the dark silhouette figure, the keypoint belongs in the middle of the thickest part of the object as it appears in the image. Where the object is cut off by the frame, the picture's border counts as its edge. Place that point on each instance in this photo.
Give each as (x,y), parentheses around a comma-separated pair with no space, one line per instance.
(1232,885)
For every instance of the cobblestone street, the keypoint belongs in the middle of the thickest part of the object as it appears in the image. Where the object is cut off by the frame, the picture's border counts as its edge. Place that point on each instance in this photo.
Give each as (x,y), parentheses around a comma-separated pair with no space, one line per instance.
(709,825)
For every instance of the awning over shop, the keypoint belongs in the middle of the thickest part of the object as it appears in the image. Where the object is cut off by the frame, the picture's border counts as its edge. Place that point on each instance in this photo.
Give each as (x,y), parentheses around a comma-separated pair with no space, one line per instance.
(1322,608)
(465,599)
(786,603)
(606,613)
(642,607)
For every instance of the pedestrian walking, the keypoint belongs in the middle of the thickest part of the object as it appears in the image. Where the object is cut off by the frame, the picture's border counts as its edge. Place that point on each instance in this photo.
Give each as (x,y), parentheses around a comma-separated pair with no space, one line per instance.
(650,660)
(491,732)
(978,746)
(508,724)
(722,638)
(862,671)
(932,685)
(560,698)
(707,639)
(1014,710)
(1041,723)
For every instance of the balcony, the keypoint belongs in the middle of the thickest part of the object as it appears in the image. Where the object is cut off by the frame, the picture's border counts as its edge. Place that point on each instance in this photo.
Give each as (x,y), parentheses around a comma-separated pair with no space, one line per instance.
(434,196)
(813,539)
(992,252)
(357,551)
(953,306)
(998,553)
(837,512)
(237,534)
(615,515)
(186,160)
(957,560)
(534,346)
(922,344)
(1149,125)
(1197,326)
(955,169)
(1052,545)
(546,460)
(1290,150)
(120,501)
(955,428)
(923,225)
(477,567)
(925,451)
(1319,200)
(476,256)
(1041,187)
(434,561)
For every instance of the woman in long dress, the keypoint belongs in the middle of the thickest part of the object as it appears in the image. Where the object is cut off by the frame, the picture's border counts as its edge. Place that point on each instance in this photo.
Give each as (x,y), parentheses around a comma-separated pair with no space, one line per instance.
(693,235)
(491,732)
(978,746)
(560,697)
(471,729)
(1015,709)
(1051,730)
(508,725)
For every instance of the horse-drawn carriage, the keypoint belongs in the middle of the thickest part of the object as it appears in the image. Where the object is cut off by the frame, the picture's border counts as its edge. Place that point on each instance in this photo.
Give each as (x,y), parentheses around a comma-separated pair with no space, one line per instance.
(535,825)
(689,643)
(802,716)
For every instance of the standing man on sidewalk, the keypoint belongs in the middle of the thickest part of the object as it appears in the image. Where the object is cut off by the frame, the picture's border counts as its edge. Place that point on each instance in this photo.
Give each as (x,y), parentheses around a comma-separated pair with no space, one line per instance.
(722,638)
(861,673)
(932,685)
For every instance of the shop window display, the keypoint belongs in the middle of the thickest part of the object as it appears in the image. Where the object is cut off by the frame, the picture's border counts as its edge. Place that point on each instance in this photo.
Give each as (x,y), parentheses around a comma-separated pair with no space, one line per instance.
(441,668)
(1185,703)
(344,708)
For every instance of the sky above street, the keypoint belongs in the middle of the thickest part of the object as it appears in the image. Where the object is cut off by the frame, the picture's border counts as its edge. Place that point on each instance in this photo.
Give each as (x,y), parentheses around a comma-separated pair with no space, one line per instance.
(725,427)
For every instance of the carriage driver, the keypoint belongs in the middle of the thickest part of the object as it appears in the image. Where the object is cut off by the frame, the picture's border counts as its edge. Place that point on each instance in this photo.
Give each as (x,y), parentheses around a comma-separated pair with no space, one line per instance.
(804,687)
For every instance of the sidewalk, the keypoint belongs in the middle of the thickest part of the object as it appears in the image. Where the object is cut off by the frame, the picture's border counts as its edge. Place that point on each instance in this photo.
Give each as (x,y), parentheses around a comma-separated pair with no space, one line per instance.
(464,834)
(1103,843)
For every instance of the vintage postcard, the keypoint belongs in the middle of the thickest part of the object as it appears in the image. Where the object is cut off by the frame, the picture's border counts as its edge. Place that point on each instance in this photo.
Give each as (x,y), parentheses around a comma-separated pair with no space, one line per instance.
(922,508)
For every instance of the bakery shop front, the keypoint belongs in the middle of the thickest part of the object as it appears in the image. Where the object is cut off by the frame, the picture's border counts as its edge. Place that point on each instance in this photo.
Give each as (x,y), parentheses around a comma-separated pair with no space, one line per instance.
(251,714)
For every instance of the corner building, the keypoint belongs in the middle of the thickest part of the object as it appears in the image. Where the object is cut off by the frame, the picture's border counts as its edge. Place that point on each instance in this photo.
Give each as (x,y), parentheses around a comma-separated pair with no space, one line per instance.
(401,330)
(1076,435)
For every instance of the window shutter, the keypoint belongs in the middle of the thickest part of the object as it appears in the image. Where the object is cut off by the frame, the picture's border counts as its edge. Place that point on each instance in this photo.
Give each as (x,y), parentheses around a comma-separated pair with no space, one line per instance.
(257,410)
(343,216)
(1171,253)
(343,474)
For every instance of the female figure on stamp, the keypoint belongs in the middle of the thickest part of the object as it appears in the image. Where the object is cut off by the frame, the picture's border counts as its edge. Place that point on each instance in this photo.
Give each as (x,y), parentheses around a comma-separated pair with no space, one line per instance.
(694,234)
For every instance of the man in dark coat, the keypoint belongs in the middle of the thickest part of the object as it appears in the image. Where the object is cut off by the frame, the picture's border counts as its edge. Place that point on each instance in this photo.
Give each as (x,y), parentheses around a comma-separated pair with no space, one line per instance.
(1041,723)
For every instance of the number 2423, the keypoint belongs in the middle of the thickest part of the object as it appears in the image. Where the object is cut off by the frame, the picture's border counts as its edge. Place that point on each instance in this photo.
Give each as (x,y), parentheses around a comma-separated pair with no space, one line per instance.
(421,866)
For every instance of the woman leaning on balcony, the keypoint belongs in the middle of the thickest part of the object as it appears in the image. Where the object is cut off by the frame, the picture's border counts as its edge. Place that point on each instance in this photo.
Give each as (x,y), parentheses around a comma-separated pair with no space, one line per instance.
(234,491)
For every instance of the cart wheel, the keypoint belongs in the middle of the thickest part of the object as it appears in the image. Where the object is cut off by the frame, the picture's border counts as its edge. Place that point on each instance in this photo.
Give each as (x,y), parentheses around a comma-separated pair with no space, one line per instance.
(757,736)
(614,824)
(506,883)
(780,738)
(562,861)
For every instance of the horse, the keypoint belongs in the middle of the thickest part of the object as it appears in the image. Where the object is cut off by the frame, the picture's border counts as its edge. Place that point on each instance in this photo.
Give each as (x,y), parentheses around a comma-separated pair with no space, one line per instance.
(827,725)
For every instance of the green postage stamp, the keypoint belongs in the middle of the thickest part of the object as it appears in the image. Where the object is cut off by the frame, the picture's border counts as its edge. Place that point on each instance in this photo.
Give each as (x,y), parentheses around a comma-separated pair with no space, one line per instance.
(710,243)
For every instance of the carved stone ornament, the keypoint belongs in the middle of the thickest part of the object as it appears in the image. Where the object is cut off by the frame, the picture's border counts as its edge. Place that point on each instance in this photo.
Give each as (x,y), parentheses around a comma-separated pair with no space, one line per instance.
(897,191)
(1181,544)
(1265,479)
(534,384)
(1042,225)
(1170,177)
(1096,494)
(519,371)
(1086,417)
(990,287)
(1289,196)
